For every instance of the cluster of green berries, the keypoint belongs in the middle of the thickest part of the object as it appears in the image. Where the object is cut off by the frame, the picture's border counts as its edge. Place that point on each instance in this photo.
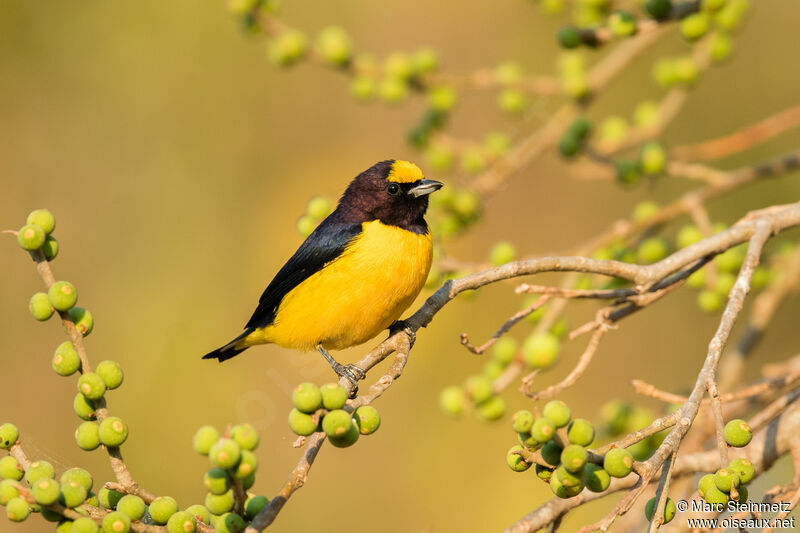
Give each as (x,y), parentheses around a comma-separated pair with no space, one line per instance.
(472,158)
(323,409)
(727,483)
(318,208)
(111,431)
(234,461)
(557,445)
(62,296)
(621,23)
(453,210)
(574,138)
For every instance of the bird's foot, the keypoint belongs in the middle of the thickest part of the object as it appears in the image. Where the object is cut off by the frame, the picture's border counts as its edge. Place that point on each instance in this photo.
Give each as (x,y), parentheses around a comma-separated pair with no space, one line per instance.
(402,325)
(352,374)
(349,372)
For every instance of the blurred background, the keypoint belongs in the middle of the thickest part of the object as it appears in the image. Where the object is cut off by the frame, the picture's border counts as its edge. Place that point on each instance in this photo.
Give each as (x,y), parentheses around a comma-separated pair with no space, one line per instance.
(177,161)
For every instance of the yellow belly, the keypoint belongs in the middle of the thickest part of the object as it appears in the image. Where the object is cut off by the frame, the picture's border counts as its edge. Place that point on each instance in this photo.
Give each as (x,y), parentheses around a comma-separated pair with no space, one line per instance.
(355,297)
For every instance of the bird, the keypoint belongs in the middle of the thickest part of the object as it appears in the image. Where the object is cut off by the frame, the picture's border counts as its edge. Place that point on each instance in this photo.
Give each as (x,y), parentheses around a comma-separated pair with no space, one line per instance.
(354,275)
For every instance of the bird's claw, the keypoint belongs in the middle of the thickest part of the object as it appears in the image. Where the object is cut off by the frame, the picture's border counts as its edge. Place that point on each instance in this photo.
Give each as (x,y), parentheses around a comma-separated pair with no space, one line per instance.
(352,374)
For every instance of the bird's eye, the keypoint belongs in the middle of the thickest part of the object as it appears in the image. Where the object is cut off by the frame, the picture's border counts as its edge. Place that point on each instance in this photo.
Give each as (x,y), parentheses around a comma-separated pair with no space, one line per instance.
(393,189)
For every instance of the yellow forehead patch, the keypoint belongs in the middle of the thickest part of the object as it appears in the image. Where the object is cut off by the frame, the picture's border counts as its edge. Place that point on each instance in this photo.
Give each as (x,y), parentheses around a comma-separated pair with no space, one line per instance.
(404,172)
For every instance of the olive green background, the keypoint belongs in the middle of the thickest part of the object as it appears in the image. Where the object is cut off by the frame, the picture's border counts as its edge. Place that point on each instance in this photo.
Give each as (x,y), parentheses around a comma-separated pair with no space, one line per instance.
(177,160)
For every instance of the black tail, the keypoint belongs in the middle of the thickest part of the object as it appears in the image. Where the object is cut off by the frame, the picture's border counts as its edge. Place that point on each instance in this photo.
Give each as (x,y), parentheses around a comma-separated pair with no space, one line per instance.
(229,350)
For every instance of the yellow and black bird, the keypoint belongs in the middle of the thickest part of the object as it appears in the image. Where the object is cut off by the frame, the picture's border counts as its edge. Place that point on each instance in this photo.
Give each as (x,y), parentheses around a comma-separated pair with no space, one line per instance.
(354,275)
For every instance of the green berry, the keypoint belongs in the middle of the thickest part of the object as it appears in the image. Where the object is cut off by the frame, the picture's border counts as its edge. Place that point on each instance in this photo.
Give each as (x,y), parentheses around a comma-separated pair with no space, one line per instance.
(248,464)
(66,360)
(181,522)
(479,388)
(84,525)
(82,319)
(83,477)
(301,423)
(200,513)
(217,481)
(515,461)
(393,90)
(627,171)
(744,470)
(132,505)
(73,494)
(84,407)
(334,46)
(8,491)
(288,48)
(62,295)
(512,101)
(721,46)
(113,431)
(618,462)
(569,145)
(363,88)
(709,300)
(658,9)
(319,207)
(686,70)
(473,160)
(46,491)
(204,439)
(522,421)
(562,491)
(743,494)
(31,237)
(492,409)
(348,439)
(551,453)
(596,478)
(569,37)
(368,419)
(9,434)
(254,505)
(42,218)
(10,468)
(504,350)
(540,350)
(337,423)
(615,415)
(306,225)
(47,514)
(574,458)
(652,250)
(88,436)
(116,522)
(225,453)
(50,248)
(229,523)
(527,440)
(713,495)
(92,386)
(17,509)
(688,235)
(109,498)
(645,210)
(694,26)
(219,503)
(568,479)
(580,128)
(502,253)
(543,429)
(542,472)
(669,510)
(706,482)
(724,283)
(111,373)
(39,470)
(646,113)
(558,412)
(507,73)
(442,98)
(246,436)
(164,506)
(453,400)
(307,397)
(622,23)
(39,306)
(738,433)
(580,432)
(731,259)
(726,479)
(653,158)
(497,143)
(425,60)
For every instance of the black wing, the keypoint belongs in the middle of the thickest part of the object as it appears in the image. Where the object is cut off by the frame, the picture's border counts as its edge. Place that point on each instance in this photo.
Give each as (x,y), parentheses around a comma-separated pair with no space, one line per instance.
(326,243)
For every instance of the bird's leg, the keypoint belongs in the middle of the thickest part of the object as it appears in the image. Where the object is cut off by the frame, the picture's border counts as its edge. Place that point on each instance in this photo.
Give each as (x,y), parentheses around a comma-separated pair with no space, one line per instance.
(350,372)
(401,325)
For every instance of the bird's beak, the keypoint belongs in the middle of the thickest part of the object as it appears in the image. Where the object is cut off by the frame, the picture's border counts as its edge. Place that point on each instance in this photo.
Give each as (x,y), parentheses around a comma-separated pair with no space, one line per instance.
(425,187)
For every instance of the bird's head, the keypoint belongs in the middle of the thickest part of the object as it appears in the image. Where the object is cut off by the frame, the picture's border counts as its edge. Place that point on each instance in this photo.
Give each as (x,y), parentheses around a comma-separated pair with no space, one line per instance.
(393,191)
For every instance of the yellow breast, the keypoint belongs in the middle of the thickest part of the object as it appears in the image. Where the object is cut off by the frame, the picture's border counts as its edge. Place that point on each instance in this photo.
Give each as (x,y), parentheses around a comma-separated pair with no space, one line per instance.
(356,296)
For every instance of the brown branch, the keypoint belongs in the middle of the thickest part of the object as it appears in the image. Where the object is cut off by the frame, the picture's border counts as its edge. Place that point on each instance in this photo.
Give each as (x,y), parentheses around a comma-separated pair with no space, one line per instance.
(507,325)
